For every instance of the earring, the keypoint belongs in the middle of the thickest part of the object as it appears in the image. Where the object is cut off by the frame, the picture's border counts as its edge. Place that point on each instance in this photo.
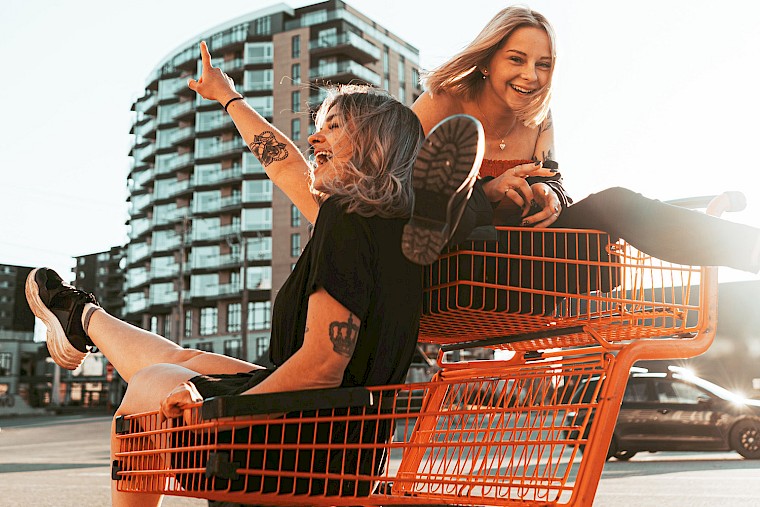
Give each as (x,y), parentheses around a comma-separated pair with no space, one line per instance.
(484,72)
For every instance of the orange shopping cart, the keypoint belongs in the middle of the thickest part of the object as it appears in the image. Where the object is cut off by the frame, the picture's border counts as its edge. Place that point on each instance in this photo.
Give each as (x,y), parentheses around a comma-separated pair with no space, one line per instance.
(569,309)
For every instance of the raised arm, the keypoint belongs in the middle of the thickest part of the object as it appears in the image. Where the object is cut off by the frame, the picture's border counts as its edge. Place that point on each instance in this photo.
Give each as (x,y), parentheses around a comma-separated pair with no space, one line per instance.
(282,160)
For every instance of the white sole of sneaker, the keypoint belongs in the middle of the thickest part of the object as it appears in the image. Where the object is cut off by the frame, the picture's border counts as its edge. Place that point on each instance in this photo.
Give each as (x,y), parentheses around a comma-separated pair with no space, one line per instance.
(62,352)
(444,173)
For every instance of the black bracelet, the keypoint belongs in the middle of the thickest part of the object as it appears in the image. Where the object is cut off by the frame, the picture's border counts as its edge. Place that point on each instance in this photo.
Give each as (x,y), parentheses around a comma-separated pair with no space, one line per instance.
(233,99)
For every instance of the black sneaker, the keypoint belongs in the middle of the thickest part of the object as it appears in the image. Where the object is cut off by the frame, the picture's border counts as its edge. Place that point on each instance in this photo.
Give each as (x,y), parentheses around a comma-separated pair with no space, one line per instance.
(59,306)
(444,173)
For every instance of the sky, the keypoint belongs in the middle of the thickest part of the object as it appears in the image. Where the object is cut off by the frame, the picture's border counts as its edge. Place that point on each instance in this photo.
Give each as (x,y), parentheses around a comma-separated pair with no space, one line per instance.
(660,96)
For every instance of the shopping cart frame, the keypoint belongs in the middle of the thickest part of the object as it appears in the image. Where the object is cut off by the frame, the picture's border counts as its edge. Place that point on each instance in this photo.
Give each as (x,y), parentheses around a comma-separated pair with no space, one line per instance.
(492,432)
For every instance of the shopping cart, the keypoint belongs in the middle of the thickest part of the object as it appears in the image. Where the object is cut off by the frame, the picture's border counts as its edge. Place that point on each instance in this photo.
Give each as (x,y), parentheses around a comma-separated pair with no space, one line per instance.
(563,306)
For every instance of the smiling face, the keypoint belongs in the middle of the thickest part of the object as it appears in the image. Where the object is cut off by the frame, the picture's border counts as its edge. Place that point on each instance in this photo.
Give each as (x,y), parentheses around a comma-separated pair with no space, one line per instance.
(332,149)
(520,67)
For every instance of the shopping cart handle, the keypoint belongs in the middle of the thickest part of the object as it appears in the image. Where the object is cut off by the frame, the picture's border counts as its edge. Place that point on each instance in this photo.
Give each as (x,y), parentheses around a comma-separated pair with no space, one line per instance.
(716,205)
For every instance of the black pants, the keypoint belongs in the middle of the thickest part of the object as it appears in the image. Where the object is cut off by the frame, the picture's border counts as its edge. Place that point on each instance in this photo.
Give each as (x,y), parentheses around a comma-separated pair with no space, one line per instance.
(670,233)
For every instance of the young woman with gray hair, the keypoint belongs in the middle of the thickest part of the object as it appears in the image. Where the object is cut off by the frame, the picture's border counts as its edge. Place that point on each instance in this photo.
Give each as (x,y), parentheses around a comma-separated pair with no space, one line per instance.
(347,315)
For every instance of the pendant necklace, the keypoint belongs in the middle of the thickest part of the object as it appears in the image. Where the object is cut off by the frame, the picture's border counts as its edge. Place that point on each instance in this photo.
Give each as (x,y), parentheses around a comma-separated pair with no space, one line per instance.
(502,144)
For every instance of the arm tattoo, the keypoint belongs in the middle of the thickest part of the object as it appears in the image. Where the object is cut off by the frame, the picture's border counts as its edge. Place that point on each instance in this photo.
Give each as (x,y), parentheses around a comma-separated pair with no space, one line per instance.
(547,124)
(267,148)
(343,336)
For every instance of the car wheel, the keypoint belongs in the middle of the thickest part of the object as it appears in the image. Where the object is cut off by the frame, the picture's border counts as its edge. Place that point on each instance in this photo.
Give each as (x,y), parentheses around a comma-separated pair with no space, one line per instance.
(624,455)
(745,438)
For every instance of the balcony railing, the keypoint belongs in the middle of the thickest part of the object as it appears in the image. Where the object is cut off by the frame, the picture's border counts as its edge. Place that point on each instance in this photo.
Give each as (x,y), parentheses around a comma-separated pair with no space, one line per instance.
(219,149)
(174,163)
(345,68)
(217,122)
(346,39)
(216,233)
(215,261)
(220,176)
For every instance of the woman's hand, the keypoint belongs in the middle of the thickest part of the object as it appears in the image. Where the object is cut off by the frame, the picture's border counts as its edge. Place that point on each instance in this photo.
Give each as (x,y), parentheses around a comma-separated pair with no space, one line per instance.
(549,204)
(177,402)
(511,185)
(213,83)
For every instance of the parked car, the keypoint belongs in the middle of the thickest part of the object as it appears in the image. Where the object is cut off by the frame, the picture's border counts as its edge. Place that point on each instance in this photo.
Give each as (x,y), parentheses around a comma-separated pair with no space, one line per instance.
(677,411)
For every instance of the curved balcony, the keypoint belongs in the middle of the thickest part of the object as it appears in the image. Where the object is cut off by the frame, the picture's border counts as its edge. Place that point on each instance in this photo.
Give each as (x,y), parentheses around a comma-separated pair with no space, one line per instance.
(216,234)
(205,151)
(184,110)
(171,163)
(213,121)
(349,44)
(344,72)
(182,137)
(217,177)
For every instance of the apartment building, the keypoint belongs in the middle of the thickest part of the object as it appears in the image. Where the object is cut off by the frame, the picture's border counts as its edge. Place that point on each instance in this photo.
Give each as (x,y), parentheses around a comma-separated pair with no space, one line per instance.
(210,239)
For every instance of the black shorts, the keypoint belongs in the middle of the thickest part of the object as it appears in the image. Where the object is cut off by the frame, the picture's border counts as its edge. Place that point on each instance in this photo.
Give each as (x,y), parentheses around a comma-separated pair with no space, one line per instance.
(307,459)
(222,384)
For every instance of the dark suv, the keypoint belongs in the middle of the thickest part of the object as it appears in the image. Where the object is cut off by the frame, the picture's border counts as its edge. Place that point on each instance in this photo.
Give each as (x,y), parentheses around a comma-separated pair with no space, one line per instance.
(677,411)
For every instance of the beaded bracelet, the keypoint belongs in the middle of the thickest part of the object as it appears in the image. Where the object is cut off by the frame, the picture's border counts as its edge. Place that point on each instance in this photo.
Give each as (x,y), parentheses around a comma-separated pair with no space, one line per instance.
(233,99)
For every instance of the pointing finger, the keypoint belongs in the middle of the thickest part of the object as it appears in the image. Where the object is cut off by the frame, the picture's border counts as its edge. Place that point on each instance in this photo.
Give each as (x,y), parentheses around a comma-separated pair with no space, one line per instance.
(205,57)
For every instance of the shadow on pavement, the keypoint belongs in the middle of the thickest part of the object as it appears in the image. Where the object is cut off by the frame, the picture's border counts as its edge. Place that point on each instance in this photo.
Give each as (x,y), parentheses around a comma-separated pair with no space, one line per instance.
(9,468)
(620,469)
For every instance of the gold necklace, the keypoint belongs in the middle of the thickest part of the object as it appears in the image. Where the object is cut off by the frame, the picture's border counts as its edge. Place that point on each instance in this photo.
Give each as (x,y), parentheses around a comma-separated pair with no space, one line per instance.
(502,144)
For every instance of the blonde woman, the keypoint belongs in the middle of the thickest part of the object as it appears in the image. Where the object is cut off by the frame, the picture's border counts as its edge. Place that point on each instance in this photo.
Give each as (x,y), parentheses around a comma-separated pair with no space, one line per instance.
(349,312)
(504,78)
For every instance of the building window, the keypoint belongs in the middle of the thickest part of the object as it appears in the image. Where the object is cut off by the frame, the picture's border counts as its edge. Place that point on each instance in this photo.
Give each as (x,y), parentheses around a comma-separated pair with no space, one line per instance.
(295,129)
(415,77)
(401,70)
(209,320)
(295,73)
(6,362)
(296,101)
(259,315)
(262,345)
(188,322)
(263,26)
(205,346)
(295,51)
(233,317)
(295,245)
(154,324)
(295,216)
(232,348)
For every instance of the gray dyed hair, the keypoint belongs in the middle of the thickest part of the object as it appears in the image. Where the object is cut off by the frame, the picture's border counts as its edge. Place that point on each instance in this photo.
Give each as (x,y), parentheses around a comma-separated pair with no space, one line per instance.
(385,136)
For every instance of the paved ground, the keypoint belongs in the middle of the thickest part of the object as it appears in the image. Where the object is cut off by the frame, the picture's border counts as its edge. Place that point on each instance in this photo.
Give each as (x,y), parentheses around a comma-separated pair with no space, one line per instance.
(62,461)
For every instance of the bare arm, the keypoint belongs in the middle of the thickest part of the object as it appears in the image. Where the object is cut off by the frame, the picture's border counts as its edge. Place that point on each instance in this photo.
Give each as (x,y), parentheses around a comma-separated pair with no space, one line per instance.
(328,344)
(282,160)
(432,109)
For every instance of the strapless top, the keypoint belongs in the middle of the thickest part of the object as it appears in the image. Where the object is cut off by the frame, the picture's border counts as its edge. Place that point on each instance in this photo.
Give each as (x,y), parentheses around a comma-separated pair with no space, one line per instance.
(497,167)
(506,212)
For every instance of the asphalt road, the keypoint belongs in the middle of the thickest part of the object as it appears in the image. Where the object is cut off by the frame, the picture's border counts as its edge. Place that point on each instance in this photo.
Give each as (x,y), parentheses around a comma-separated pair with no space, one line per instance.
(63,462)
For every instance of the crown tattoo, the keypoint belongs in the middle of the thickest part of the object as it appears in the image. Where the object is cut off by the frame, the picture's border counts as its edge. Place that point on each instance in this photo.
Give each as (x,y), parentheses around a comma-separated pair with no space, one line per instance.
(343,336)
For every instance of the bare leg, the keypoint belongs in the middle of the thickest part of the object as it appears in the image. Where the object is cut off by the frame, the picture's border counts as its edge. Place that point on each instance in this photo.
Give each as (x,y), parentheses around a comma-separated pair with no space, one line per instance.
(131,349)
(145,393)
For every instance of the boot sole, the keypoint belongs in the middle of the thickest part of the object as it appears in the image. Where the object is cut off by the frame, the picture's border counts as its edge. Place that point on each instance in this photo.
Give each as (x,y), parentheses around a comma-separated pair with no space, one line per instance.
(62,352)
(444,173)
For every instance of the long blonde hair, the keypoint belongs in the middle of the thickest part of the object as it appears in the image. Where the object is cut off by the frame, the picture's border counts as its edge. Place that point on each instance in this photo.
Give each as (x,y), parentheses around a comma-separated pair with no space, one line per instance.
(385,136)
(460,75)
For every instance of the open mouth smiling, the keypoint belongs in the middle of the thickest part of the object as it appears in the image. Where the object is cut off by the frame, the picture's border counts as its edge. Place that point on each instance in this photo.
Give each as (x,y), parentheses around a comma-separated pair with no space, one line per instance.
(323,156)
(522,91)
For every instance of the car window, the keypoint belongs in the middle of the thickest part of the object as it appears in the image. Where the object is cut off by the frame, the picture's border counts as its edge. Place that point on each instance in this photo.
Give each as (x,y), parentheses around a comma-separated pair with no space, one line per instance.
(635,391)
(677,392)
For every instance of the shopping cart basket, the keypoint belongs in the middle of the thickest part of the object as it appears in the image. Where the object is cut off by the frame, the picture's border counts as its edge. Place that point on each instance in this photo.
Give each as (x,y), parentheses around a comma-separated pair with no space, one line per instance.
(573,309)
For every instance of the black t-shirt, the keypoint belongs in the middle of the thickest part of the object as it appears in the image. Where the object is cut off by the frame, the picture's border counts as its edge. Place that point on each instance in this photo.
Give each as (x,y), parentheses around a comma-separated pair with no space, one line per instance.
(359,262)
